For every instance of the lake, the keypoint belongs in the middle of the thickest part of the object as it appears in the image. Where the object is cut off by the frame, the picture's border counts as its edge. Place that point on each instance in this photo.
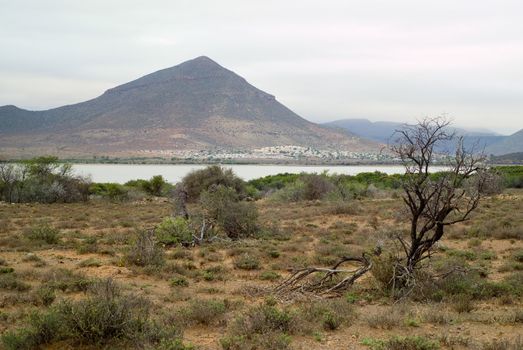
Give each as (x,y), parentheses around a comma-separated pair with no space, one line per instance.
(121,173)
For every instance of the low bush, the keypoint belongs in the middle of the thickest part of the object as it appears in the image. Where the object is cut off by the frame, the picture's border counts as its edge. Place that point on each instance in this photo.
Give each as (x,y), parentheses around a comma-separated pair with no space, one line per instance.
(173,231)
(204,312)
(111,191)
(43,180)
(105,316)
(155,186)
(179,281)
(237,219)
(145,250)
(402,343)
(9,281)
(198,181)
(247,261)
(43,233)
(66,281)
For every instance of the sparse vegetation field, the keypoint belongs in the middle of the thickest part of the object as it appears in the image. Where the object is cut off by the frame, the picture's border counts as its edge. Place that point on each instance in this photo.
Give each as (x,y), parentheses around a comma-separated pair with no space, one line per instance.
(56,259)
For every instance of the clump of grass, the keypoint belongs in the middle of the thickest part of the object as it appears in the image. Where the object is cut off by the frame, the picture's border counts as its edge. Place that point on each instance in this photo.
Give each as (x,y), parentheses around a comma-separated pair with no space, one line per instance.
(462,303)
(46,295)
(402,343)
(9,281)
(35,259)
(269,276)
(327,314)
(43,233)
(88,246)
(260,327)
(66,280)
(204,312)
(91,262)
(385,319)
(247,262)
(179,281)
(5,269)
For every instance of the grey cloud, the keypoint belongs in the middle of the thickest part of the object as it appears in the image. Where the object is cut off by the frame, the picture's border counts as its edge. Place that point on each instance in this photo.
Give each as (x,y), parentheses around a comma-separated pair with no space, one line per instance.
(385,60)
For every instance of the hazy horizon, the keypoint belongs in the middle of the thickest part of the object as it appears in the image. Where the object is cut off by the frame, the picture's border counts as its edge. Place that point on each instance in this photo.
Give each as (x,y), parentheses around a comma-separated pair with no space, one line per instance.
(377,60)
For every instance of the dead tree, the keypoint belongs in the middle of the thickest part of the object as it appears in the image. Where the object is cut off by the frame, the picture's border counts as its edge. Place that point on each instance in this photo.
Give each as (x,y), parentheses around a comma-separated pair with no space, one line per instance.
(436,201)
(433,202)
(180,197)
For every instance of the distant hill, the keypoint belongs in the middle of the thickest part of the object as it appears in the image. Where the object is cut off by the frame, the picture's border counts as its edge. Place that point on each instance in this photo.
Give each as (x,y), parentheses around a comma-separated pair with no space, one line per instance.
(383,132)
(510,158)
(509,144)
(195,105)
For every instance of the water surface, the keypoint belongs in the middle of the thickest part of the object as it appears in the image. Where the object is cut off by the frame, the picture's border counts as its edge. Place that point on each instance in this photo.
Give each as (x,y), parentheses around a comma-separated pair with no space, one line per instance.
(121,173)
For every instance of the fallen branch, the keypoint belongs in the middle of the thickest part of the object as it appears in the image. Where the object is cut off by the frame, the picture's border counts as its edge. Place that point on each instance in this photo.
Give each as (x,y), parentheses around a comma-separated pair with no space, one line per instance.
(333,282)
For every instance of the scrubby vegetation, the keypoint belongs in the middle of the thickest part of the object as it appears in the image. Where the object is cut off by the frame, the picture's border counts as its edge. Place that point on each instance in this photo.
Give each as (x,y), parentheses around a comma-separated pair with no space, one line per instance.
(119,271)
(42,180)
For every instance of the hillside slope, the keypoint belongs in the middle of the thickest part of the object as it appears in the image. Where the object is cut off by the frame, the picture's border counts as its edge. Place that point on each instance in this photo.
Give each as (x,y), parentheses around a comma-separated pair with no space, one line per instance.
(195,105)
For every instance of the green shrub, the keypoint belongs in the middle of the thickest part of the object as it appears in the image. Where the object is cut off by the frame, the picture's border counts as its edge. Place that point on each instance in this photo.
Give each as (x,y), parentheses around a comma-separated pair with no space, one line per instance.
(43,233)
(269,276)
(174,231)
(10,281)
(316,186)
(204,312)
(145,250)
(112,191)
(236,218)
(402,343)
(46,295)
(462,303)
(67,281)
(43,329)
(518,256)
(202,180)
(105,316)
(247,262)
(179,281)
(42,180)
(261,327)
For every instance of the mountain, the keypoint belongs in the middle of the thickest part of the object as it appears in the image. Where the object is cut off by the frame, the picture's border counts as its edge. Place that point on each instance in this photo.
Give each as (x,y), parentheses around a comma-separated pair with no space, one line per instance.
(377,131)
(509,144)
(383,132)
(195,105)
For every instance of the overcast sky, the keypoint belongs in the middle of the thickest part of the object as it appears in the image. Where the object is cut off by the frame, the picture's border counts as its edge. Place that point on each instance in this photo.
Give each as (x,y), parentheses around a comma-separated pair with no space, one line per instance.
(331,59)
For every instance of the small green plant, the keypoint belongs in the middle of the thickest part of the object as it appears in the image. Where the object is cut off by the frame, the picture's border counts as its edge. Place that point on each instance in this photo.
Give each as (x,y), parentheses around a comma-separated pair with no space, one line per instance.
(273,254)
(331,321)
(46,295)
(269,276)
(91,262)
(4,269)
(351,297)
(179,281)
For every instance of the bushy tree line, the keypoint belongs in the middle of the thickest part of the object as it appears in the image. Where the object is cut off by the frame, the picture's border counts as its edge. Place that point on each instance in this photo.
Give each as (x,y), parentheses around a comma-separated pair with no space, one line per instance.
(43,180)
(133,189)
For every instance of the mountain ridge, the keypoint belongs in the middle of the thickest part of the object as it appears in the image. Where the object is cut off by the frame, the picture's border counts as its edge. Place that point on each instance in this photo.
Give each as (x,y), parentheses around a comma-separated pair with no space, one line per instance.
(197,104)
(382,131)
